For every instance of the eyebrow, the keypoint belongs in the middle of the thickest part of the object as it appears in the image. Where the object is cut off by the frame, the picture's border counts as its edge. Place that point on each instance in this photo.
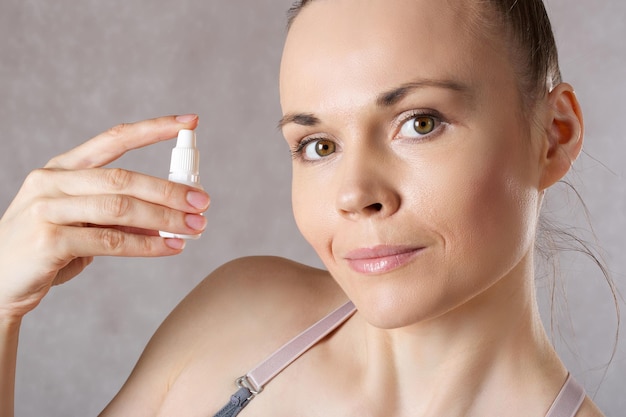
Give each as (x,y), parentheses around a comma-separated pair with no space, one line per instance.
(391,97)
(385,99)
(303,119)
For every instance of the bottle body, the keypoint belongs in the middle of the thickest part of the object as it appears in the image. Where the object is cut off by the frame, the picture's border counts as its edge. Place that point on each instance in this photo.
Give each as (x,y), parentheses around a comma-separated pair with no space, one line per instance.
(184,169)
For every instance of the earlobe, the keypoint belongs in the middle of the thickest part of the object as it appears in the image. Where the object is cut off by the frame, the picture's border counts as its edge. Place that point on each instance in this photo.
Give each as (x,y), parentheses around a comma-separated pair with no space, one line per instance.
(564,134)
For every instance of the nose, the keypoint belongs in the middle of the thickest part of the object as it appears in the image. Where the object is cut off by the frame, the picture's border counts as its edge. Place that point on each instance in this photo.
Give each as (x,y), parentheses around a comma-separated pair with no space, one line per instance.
(368,187)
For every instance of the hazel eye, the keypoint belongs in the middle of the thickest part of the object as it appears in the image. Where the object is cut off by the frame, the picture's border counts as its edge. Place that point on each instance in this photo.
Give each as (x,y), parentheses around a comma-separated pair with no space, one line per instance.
(418,126)
(318,148)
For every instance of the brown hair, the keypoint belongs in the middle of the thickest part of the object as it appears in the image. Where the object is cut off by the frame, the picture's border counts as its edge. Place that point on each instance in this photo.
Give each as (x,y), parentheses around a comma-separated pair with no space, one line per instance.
(528,27)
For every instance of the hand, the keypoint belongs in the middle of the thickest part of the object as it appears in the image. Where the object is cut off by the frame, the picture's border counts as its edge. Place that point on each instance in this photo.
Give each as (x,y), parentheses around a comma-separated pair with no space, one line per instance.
(73,209)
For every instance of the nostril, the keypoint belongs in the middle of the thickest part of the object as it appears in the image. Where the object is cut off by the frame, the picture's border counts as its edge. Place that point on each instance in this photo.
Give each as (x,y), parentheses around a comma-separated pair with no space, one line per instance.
(376,207)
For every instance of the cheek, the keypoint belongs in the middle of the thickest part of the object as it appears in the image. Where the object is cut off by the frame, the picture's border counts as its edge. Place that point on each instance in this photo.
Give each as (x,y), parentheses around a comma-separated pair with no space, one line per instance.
(489,209)
(312,209)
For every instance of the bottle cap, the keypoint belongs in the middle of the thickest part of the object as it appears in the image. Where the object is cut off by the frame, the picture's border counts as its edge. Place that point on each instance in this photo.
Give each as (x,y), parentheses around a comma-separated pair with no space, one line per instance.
(185,156)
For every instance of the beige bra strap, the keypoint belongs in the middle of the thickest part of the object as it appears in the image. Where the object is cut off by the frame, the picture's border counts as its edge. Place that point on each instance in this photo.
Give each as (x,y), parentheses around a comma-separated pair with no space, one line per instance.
(569,400)
(566,404)
(283,357)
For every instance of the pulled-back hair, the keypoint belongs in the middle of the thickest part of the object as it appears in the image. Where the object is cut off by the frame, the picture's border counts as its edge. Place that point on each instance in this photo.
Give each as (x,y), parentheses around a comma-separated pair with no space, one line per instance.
(528,28)
(527,25)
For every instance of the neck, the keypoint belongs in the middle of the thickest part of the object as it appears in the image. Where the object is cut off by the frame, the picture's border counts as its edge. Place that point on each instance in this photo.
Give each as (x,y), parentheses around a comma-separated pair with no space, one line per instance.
(486,357)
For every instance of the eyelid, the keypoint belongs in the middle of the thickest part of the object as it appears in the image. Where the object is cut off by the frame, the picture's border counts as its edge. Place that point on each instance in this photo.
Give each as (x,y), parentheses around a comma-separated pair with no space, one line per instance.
(297,150)
(302,143)
(411,114)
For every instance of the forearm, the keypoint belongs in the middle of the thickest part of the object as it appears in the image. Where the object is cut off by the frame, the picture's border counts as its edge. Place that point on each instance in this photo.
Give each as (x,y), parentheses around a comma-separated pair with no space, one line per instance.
(9,334)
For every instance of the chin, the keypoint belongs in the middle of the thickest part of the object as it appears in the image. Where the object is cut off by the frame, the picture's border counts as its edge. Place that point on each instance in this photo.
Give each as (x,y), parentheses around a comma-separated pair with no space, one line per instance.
(396,310)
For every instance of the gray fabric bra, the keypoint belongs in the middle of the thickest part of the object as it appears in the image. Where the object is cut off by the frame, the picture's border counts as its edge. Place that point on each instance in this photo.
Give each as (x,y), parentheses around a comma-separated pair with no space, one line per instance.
(566,404)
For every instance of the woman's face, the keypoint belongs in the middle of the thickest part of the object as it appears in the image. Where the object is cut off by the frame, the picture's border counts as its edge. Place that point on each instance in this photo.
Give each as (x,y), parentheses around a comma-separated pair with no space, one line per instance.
(415,177)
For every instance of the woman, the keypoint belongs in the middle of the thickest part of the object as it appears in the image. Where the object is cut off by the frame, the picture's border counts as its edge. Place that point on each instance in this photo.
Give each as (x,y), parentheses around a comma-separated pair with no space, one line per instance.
(424,135)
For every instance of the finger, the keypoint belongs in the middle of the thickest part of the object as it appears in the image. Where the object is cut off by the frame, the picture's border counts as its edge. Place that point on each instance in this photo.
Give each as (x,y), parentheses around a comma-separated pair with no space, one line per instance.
(75,267)
(137,230)
(79,242)
(119,210)
(117,181)
(113,143)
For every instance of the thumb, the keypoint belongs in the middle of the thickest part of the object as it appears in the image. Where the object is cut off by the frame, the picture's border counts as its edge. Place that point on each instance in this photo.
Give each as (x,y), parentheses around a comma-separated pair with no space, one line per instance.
(75,267)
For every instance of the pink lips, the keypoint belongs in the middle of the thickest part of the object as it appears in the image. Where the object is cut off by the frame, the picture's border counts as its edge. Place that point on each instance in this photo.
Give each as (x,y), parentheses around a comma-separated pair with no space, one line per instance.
(380,259)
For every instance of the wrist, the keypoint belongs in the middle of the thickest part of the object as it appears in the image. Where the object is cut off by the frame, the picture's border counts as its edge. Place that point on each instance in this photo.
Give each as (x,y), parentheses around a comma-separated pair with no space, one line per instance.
(9,335)
(9,322)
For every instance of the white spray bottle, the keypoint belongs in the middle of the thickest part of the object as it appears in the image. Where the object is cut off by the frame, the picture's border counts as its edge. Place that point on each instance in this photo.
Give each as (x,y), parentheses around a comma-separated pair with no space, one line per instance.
(185,168)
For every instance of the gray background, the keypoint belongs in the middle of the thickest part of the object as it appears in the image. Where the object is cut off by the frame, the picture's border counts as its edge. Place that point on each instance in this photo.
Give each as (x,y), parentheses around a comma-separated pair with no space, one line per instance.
(71,69)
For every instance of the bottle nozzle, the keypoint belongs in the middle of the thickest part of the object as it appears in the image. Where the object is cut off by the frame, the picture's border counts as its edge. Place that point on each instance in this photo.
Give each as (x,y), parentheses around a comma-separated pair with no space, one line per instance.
(185,163)
(186,139)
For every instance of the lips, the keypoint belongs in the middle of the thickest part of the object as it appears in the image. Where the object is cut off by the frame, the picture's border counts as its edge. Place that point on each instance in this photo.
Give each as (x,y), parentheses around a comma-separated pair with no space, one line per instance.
(380,259)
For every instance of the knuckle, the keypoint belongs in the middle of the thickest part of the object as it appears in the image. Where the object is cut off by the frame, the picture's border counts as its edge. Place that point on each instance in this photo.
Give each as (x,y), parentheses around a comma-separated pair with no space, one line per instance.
(48,237)
(39,208)
(112,239)
(168,190)
(169,218)
(118,130)
(54,162)
(36,177)
(117,205)
(118,178)
(146,245)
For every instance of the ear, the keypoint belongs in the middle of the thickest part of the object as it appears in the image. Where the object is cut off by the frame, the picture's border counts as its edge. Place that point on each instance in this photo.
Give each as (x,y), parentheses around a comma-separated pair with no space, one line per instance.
(564,134)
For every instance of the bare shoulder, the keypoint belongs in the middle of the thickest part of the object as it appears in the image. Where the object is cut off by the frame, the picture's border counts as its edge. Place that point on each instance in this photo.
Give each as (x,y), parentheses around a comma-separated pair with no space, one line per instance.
(262,299)
(278,291)
(263,281)
(232,320)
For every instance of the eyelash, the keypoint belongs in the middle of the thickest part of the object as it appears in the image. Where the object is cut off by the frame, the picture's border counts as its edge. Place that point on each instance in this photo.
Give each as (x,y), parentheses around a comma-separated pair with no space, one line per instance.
(439,121)
(298,149)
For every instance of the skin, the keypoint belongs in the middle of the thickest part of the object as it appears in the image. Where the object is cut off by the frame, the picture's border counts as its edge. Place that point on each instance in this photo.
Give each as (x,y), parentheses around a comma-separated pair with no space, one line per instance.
(449,194)
(431,237)
(42,238)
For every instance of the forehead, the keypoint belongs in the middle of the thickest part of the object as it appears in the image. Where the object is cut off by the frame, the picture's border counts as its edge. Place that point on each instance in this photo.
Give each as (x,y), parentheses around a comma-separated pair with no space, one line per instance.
(338,50)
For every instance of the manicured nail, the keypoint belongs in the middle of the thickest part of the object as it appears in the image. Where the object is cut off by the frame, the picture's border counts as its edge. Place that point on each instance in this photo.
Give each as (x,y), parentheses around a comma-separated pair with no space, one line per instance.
(198,199)
(175,243)
(186,118)
(195,221)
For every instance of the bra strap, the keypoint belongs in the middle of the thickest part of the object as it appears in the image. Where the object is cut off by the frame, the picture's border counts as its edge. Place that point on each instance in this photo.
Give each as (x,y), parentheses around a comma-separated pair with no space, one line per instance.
(569,400)
(566,404)
(293,349)
(253,382)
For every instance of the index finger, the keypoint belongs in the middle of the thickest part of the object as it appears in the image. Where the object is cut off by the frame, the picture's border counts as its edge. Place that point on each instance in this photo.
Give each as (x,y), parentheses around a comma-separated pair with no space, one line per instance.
(115,142)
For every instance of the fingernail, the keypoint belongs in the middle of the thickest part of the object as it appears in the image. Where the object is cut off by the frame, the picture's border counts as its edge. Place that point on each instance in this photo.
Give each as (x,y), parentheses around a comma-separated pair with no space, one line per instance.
(195,221)
(186,118)
(198,199)
(175,243)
